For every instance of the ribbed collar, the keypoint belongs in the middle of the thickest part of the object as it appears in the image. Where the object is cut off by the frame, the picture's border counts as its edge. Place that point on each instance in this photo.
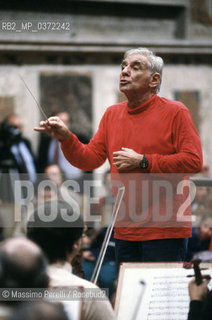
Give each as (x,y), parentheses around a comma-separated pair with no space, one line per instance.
(143,106)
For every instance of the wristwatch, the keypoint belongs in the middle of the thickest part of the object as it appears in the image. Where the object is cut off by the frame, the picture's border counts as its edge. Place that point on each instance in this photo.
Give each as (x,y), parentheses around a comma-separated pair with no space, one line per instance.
(144,163)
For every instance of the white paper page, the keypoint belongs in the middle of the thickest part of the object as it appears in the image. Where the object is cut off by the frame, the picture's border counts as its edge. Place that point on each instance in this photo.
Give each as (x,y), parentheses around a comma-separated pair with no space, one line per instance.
(165,296)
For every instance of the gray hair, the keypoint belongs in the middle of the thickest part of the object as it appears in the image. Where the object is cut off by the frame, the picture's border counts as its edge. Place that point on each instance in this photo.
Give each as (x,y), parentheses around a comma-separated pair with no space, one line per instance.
(155,63)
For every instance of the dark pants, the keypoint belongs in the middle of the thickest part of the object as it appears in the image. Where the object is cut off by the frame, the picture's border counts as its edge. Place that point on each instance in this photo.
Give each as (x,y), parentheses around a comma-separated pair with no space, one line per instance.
(162,250)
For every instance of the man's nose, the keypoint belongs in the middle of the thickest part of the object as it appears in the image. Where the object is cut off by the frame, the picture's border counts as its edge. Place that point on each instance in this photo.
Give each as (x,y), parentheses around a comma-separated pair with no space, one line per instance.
(125,71)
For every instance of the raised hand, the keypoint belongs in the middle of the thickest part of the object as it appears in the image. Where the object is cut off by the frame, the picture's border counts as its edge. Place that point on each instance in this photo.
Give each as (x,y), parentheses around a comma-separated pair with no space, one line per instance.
(54,127)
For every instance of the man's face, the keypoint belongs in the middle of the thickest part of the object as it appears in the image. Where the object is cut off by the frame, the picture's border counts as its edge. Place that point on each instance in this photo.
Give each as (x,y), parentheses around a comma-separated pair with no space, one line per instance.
(16,122)
(53,172)
(135,75)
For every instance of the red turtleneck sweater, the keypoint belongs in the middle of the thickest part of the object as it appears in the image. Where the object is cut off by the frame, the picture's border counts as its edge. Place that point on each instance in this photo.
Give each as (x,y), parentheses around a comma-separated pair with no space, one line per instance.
(161,129)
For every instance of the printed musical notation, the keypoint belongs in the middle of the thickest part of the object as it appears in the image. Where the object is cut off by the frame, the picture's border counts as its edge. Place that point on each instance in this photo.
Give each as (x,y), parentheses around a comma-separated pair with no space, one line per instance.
(166,292)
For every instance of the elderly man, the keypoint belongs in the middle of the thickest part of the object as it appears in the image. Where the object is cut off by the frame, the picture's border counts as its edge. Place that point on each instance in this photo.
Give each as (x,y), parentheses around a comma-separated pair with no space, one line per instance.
(22,265)
(145,134)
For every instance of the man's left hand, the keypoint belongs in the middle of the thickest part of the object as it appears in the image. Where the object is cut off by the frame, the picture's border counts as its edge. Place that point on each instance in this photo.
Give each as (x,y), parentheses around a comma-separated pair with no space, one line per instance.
(126,159)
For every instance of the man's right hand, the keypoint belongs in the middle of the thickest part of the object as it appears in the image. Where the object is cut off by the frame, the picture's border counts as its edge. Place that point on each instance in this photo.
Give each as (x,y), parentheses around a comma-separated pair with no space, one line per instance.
(54,127)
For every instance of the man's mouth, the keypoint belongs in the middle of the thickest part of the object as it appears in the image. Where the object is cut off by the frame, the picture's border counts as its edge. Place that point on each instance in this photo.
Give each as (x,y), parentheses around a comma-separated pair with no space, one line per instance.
(123,81)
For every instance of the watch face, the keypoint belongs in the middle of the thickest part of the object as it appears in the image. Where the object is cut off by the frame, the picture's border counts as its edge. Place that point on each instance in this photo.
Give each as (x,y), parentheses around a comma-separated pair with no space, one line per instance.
(144,163)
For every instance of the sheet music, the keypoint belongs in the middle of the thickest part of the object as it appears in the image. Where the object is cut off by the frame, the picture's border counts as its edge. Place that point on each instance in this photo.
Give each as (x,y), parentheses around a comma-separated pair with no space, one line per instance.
(166,295)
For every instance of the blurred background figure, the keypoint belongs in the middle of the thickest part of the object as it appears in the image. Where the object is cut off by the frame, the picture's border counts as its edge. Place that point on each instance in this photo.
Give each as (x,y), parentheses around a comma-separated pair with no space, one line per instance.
(202,200)
(104,208)
(16,151)
(46,193)
(61,242)
(22,150)
(201,239)
(42,310)
(108,273)
(200,244)
(93,241)
(22,265)
(54,173)
(49,152)
(17,161)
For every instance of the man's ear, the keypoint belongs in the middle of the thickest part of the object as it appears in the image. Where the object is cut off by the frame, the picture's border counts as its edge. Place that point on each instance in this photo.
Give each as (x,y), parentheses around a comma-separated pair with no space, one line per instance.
(155,80)
(74,250)
(76,245)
